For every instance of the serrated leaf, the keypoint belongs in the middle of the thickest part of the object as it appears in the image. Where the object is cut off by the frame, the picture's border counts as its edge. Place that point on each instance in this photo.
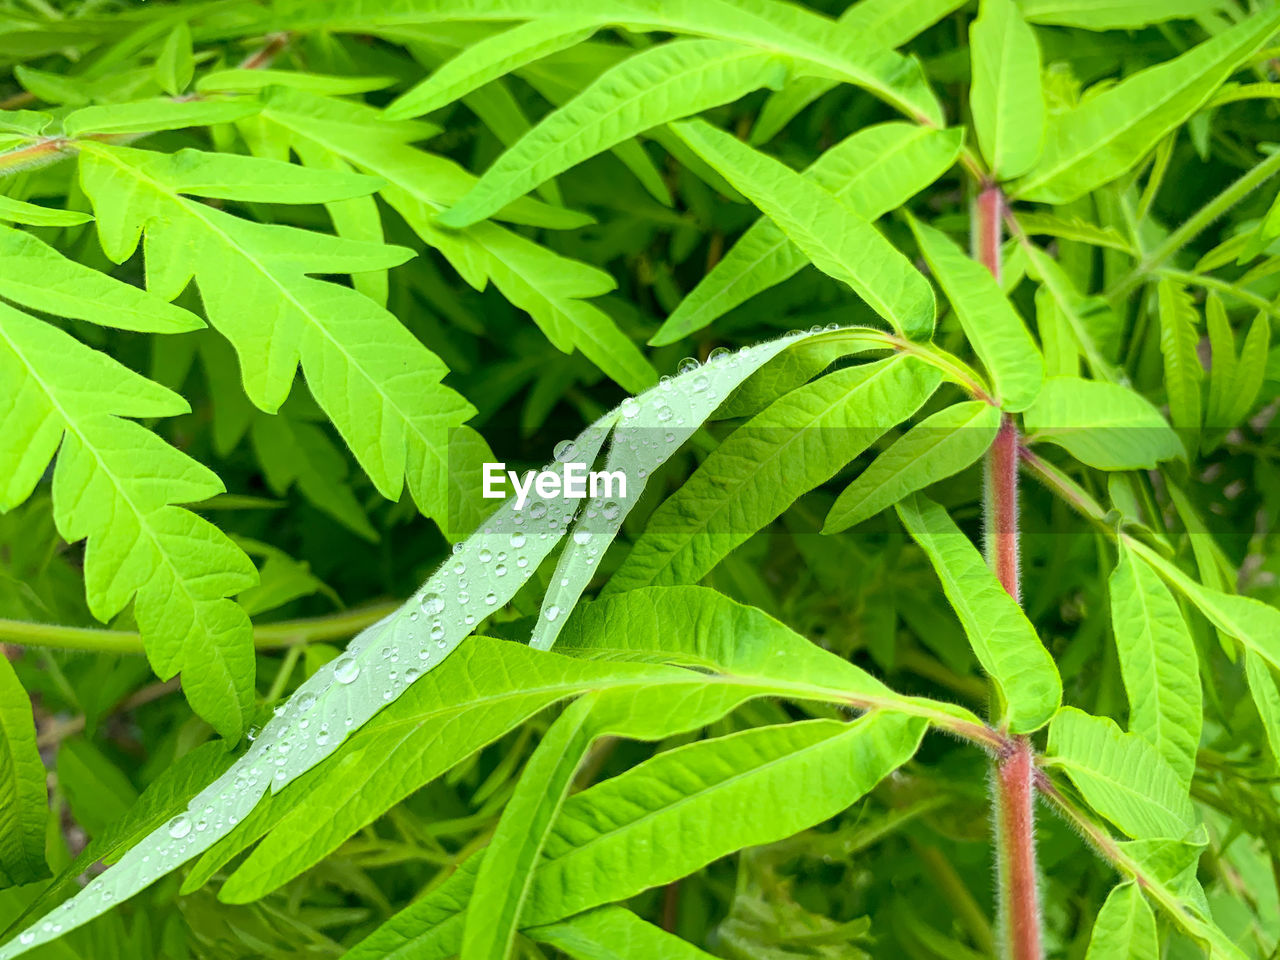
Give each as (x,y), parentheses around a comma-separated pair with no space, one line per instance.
(1235,382)
(1106,135)
(1179,343)
(176,567)
(660,84)
(1105,425)
(1026,678)
(377,383)
(994,329)
(707,793)
(1073,228)
(873,171)
(1125,928)
(794,444)
(938,446)
(838,241)
(1158,662)
(1122,776)
(24,805)
(1005,96)
(1113,14)
(490,58)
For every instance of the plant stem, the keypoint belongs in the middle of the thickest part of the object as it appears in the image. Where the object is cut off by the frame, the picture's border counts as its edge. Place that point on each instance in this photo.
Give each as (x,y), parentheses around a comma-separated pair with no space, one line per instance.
(1197,222)
(271,636)
(1015,765)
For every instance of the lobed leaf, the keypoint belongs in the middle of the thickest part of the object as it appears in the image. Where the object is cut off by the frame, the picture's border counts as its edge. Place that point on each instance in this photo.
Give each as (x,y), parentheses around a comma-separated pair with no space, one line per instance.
(24,811)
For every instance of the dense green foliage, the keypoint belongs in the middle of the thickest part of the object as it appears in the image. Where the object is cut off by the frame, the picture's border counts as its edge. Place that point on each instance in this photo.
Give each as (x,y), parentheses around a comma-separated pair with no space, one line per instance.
(277,278)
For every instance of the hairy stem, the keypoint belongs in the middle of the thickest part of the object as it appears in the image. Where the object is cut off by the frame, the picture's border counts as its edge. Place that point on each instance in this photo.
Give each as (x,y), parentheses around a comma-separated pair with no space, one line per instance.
(271,636)
(1015,765)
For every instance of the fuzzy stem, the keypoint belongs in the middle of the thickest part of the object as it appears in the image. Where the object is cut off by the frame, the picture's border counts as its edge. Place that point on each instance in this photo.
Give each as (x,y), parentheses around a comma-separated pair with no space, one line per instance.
(1015,765)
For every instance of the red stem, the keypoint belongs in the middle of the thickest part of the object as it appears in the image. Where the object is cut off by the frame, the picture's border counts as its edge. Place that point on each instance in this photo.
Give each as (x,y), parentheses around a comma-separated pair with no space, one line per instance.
(1015,766)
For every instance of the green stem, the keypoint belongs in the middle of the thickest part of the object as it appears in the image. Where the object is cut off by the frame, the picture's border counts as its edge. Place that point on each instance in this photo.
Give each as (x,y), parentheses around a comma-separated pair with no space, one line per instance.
(1197,222)
(271,636)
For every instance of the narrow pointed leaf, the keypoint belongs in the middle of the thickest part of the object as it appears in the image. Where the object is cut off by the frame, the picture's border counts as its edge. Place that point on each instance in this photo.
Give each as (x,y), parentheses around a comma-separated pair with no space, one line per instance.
(994,329)
(938,446)
(655,86)
(1120,775)
(838,241)
(1105,135)
(24,810)
(794,444)
(612,933)
(873,171)
(1002,638)
(1179,343)
(1102,424)
(1113,14)
(1158,662)
(490,58)
(1005,97)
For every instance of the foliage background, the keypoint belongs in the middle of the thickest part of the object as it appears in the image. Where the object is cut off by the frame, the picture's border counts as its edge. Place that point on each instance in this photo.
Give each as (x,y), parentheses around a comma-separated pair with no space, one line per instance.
(1159,265)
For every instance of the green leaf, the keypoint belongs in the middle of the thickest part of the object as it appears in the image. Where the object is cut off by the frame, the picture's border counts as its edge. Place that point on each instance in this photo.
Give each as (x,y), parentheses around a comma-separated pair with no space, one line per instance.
(1005,97)
(652,87)
(1266,697)
(1158,662)
(24,810)
(293,451)
(1121,776)
(873,171)
(796,443)
(1179,343)
(175,65)
(490,58)
(1113,14)
(36,275)
(250,81)
(19,211)
(1027,685)
(1107,134)
(1125,928)
(97,791)
(871,24)
(612,933)
(144,116)
(1073,228)
(703,800)
(938,446)
(545,284)
(1105,425)
(115,484)
(377,383)
(707,794)
(1234,389)
(838,241)
(992,326)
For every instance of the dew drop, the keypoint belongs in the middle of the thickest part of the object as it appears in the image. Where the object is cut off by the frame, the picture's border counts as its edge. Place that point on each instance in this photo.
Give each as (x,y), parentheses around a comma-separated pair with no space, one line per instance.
(517,540)
(687,365)
(500,570)
(485,556)
(432,603)
(664,413)
(630,408)
(564,451)
(346,670)
(699,384)
(179,826)
(490,598)
(437,631)
(537,510)
(463,598)
(306,702)
(552,612)
(386,653)
(612,510)
(27,938)
(582,537)
(522,562)
(719,353)
(412,674)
